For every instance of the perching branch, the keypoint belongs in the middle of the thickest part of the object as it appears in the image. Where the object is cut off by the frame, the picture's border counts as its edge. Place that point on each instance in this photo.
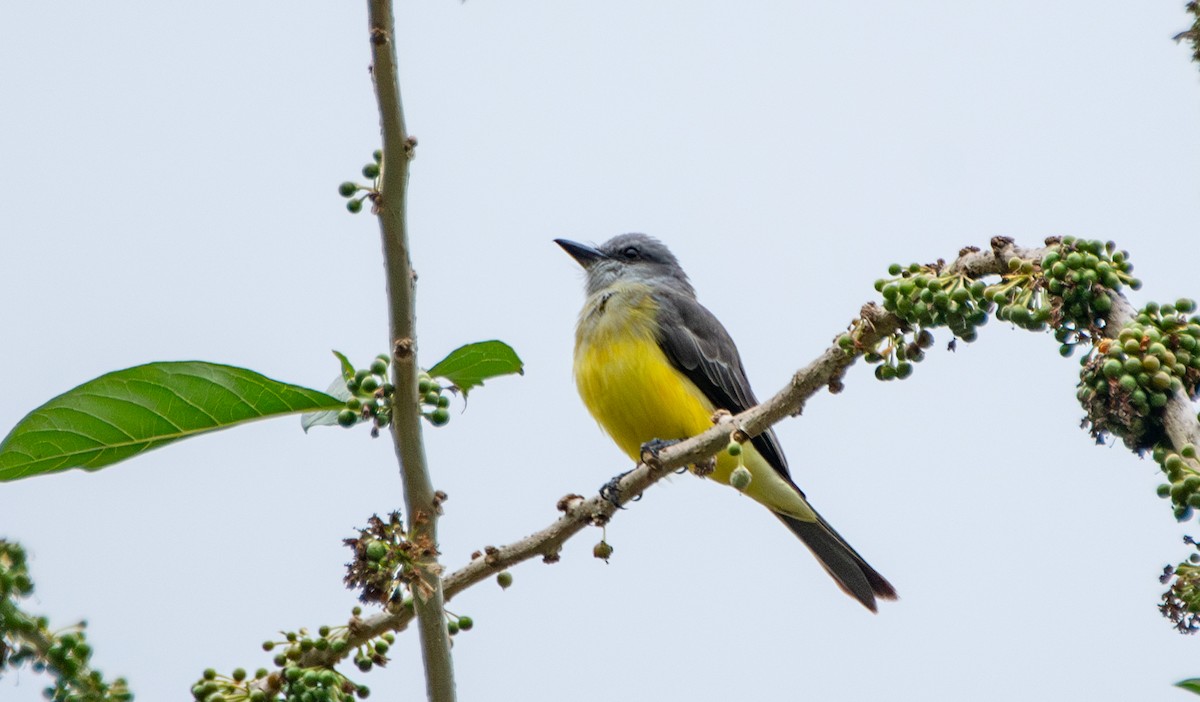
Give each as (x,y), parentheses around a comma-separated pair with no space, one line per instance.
(390,206)
(873,325)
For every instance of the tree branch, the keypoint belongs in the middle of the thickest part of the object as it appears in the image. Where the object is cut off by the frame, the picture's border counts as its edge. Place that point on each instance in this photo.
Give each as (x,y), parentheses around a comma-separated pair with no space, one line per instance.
(827,370)
(390,206)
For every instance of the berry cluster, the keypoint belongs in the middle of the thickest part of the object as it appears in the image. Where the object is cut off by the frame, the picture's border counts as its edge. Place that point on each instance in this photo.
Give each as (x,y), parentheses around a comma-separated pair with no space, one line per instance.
(1127,381)
(296,681)
(383,562)
(1181,602)
(923,297)
(26,639)
(435,399)
(351,190)
(370,395)
(1081,275)
(1183,470)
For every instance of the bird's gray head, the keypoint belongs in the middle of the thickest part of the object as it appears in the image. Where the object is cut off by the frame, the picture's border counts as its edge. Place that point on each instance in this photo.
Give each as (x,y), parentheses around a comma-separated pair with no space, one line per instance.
(632,258)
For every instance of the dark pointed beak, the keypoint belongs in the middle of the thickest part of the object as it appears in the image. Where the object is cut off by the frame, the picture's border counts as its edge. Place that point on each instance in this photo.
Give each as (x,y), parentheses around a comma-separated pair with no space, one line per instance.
(584,255)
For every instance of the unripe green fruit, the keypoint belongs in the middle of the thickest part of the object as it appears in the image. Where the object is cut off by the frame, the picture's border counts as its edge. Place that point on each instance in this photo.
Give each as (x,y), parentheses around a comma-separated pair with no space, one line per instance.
(1164,490)
(466,623)
(369,384)
(1112,368)
(601,550)
(376,550)
(1160,380)
(439,417)
(347,189)
(371,170)
(431,397)
(903,370)
(734,448)
(1188,451)
(443,401)
(379,366)
(504,579)
(354,206)
(1151,364)
(347,418)
(740,478)
(894,269)
(378,155)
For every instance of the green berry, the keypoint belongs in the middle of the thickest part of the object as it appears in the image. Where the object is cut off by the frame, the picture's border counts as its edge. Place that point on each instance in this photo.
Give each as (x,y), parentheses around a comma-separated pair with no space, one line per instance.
(378,155)
(439,417)
(354,206)
(1112,368)
(379,366)
(431,397)
(903,370)
(210,674)
(504,579)
(347,418)
(347,189)
(740,478)
(376,550)
(601,550)
(369,384)
(371,170)
(443,401)
(734,448)
(1188,451)
(452,627)
(1164,490)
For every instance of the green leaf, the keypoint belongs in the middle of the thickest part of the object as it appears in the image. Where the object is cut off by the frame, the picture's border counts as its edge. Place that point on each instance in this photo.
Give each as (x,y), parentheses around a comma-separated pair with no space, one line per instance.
(127,412)
(470,365)
(347,366)
(1191,685)
(328,418)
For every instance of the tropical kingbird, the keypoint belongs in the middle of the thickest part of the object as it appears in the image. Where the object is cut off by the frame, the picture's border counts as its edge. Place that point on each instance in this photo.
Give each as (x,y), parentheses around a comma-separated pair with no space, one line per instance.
(652,363)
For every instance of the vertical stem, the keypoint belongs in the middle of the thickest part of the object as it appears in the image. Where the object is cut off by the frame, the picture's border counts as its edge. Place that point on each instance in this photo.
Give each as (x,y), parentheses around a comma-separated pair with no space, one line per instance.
(421,510)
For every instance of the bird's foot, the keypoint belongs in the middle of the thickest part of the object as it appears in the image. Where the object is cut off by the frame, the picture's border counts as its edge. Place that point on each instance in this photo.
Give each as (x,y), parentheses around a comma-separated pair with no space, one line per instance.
(611,491)
(652,448)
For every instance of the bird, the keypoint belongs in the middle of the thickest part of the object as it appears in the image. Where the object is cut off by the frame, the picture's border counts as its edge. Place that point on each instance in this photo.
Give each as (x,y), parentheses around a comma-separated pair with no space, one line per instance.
(653,365)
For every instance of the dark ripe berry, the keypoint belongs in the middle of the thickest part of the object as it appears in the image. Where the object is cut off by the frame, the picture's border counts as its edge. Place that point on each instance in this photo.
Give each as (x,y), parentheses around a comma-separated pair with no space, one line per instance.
(347,418)
(347,189)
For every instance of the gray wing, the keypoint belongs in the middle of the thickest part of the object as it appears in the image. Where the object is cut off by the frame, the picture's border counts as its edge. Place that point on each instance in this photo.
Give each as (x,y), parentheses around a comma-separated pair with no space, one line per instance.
(699,347)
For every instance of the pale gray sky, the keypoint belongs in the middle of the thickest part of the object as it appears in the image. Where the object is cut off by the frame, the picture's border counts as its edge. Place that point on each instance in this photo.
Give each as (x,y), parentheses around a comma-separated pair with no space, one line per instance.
(168,177)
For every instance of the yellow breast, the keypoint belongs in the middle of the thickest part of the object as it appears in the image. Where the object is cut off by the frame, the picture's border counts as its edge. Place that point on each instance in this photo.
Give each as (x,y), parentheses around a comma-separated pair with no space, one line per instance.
(625,379)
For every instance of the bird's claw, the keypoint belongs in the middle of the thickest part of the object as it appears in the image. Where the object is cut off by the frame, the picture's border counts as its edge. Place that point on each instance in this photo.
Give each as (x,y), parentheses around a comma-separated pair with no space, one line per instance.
(652,448)
(611,491)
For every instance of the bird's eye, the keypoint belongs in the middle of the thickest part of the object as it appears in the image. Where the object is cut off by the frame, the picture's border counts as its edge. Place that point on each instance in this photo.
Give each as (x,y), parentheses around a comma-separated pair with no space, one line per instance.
(631,253)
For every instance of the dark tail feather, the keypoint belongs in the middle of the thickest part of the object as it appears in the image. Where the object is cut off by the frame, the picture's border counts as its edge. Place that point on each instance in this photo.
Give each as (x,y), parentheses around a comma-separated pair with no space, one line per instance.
(849,570)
